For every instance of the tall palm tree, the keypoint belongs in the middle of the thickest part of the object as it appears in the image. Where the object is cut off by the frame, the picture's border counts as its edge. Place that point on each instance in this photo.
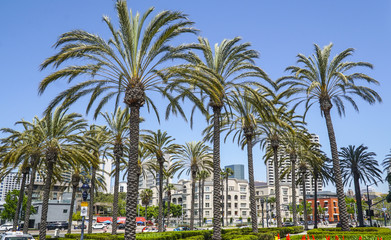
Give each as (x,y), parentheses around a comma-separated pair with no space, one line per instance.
(213,78)
(226,173)
(160,145)
(123,66)
(330,81)
(97,139)
(359,165)
(169,188)
(146,197)
(194,157)
(118,128)
(202,176)
(62,143)
(169,173)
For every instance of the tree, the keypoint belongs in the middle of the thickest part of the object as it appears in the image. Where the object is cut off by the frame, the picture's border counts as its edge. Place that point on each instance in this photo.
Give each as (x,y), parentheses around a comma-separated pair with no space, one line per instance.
(124,66)
(213,78)
(359,165)
(202,176)
(160,145)
(194,157)
(146,197)
(330,81)
(10,205)
(118,128)
(62,144)
(226,173)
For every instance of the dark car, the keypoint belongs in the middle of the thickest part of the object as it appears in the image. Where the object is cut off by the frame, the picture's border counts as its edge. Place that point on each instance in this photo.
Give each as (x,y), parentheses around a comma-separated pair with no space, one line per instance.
(80,226)
(288,224)
(55,225)
(121,226)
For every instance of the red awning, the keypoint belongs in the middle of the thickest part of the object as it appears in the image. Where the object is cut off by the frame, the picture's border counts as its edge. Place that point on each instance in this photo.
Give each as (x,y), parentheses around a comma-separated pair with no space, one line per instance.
(103,219)
(140,219)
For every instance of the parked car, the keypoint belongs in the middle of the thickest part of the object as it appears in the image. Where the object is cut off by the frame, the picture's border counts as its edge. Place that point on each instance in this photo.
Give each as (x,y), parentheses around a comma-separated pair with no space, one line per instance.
(149,229)
(15,236)
(121,226)
(55,225)
(99,225)
(80,226)
(288,224)
(6,227)
(182,229)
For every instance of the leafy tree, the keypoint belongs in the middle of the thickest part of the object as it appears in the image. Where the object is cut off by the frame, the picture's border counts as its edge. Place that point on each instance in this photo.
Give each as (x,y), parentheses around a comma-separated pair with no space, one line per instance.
(124,66)
(76,216)
(146,196)
(330,81)
(11,201)
(359,165)
(213,77)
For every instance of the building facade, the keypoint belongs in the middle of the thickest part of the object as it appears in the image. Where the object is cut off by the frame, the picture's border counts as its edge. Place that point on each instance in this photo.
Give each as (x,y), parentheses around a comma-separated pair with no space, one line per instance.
(328,201)
(238,170)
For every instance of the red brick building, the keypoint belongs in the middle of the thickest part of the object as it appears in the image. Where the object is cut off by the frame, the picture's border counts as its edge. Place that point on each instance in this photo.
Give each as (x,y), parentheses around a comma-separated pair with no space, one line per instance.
(329,201)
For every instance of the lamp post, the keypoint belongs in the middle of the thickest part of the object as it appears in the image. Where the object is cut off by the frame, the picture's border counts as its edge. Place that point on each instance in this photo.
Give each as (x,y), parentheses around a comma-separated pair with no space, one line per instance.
(85,187)
(262,202)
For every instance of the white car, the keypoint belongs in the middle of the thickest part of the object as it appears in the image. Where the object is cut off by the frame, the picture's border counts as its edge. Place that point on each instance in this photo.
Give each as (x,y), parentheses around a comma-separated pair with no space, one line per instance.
(6,227)
(99,226)
(15,236)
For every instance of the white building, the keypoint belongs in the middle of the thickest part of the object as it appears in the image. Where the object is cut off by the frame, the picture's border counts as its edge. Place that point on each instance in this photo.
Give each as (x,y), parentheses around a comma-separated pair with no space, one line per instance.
(9,183)
(310,187)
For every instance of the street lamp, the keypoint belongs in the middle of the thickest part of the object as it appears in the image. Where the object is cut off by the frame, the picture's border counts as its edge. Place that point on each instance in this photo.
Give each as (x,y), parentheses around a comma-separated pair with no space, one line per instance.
(262,202)
(85,187)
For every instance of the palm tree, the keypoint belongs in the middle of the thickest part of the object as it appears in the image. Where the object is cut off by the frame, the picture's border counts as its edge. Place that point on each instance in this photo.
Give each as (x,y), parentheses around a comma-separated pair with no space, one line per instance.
(330,81)
(214,78)
(359,165)
(169,173)
(123,66)
(146,197)
(194,157)
(62,144)
(118,127)
(97,137)
(169,187)
(202,176)
(226,173)
(160,145)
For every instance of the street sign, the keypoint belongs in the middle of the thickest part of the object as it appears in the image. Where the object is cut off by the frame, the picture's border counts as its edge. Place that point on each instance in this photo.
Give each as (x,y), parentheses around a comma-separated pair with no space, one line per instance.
(83,211)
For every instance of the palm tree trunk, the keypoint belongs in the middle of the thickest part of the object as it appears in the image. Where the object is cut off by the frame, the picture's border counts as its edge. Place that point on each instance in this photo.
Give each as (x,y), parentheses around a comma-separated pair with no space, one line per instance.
(118,152)
(216,174)
(226,200)
(316,200)
(253,206)
(74,189)
(344,218)
(202,198)
(199,202)
(25,171)
(160,217)
(193,181)
(304,202)
(293,158)
(133,174)
(358,199)
(29,195)
(277,185)
(168,205)
(92,195)
(50,160)
(146,215)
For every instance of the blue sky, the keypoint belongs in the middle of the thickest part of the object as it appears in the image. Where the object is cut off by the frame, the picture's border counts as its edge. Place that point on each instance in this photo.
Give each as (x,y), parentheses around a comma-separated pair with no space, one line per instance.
(279,30)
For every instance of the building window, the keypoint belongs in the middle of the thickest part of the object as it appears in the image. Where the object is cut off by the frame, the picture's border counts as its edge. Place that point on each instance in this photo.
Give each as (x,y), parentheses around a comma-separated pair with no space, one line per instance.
(236,205)
(206,204)
(229,213)
(121,188)
(243,205)
(207,197)
(236,197)
(242,188)
(206,213)
(207,189)
(243,197)
(244,213)
(230,188)
(285,191)
(64,210)
(285,199)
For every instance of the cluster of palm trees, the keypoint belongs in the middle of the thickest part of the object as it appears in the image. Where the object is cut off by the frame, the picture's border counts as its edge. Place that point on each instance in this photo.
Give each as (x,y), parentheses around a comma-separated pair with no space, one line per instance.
(222,82)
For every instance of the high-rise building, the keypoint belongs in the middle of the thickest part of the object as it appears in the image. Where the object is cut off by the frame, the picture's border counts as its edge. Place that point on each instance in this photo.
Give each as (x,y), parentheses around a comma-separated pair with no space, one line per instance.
(9,183)
(310,187)
(238,171)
